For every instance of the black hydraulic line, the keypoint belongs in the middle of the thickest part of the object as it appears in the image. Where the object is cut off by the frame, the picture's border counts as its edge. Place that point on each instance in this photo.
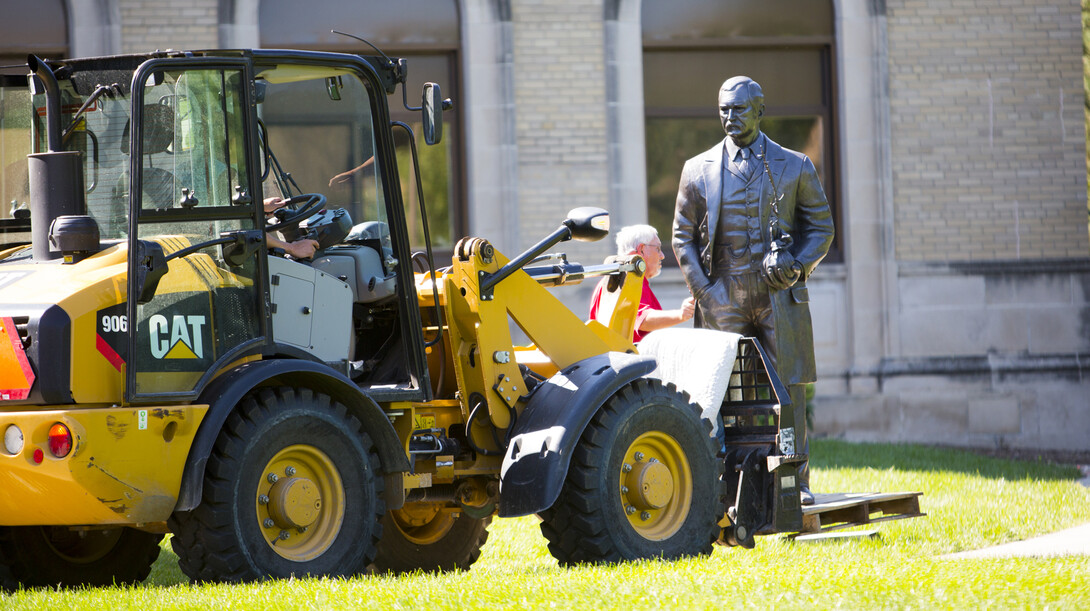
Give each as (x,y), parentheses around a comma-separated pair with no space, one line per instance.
(185,252)
(282,178)
(469,430)
(95,95)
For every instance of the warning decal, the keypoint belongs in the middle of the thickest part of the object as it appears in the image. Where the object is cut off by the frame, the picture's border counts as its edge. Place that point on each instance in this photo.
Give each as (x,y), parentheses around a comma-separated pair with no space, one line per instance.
(111,339)
(16,375)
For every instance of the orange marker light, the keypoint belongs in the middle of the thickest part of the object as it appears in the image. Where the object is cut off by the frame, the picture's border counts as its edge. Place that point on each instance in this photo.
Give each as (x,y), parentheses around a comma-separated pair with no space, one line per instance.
(60,440)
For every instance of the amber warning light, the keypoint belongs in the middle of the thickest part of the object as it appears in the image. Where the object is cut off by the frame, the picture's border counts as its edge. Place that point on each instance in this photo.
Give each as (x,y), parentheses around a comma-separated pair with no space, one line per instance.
(60,440)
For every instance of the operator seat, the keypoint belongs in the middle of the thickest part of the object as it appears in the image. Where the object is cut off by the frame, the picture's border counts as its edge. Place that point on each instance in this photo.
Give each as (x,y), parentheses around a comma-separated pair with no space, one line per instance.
(158,183)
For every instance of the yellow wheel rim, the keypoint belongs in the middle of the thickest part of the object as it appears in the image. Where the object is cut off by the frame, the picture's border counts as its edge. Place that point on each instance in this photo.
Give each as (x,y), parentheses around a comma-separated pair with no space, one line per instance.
(656,485)
(423,523)
(300,503)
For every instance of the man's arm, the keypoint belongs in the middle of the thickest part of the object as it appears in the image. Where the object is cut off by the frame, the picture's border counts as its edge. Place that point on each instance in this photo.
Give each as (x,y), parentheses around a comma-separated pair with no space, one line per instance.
(654,320)
(300,249)
(350,174)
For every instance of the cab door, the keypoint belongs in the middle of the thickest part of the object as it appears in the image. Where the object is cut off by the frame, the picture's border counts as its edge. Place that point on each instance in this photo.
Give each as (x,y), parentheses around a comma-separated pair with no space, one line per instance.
(194,229)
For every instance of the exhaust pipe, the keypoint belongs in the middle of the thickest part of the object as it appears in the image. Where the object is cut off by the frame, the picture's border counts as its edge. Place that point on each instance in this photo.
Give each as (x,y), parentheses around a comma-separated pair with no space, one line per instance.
(56,176)
(52,101)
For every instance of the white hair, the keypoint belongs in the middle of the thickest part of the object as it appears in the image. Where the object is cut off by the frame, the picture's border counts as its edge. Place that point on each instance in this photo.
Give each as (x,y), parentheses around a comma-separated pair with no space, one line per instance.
(631,237)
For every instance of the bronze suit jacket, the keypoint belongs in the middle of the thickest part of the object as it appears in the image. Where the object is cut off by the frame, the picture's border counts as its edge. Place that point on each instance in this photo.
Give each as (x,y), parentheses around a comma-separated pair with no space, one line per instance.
(804,214)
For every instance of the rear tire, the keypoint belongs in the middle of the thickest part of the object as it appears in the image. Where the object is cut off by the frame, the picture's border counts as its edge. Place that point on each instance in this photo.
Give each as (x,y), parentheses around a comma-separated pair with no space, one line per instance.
(292,488)
(423,536)
(643,482)
(36,556)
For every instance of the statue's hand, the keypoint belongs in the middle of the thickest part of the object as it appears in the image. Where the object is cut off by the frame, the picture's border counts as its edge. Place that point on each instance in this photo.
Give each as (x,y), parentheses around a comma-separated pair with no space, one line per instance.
(711,296)
(780,269)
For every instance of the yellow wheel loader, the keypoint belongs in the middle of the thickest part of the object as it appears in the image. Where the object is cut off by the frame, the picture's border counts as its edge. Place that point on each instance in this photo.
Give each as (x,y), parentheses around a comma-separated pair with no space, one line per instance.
(162,369)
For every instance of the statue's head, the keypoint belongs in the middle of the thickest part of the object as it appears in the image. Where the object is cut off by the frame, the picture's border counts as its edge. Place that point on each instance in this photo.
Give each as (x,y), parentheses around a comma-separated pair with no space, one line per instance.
(741,106)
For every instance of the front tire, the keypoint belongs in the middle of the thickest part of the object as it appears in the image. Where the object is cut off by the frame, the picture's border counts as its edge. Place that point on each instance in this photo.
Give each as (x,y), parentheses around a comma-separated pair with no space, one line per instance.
(292,488)
(427,536)
(36,556)
(643,482)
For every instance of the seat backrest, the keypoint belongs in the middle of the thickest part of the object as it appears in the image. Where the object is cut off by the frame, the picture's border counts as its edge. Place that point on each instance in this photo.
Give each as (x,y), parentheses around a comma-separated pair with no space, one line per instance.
(158,129)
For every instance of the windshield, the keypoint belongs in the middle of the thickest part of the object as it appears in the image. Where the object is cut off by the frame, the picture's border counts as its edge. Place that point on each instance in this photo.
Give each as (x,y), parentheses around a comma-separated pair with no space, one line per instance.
(191,148)
(15,144)
(318,130)
(101,134)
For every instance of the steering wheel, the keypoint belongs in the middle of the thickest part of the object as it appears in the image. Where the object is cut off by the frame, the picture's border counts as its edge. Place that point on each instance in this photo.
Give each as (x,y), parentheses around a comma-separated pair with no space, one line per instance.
(311,204)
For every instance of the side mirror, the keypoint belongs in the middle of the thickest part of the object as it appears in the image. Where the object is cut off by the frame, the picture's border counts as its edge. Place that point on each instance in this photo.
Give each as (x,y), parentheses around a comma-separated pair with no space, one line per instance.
(433,107)
(588,224)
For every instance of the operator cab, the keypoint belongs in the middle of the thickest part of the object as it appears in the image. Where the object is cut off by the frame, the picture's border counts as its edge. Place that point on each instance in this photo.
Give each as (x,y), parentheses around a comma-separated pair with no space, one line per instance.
(176,155)
(317,136)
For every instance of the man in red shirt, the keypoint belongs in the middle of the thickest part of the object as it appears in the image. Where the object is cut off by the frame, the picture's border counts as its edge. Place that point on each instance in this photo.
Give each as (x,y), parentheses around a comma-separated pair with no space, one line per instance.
(644,240)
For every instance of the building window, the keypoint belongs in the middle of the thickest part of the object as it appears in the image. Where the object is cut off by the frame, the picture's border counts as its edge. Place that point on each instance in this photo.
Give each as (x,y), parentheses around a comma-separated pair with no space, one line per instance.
(691,47)
(32,26)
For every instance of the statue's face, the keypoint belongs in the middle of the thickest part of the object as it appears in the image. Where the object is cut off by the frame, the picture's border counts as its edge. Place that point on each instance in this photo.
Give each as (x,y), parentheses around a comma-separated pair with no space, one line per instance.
(740,119)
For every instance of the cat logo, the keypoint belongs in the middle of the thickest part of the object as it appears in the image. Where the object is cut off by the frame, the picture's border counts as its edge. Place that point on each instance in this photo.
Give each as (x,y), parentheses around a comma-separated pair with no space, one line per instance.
(182,337)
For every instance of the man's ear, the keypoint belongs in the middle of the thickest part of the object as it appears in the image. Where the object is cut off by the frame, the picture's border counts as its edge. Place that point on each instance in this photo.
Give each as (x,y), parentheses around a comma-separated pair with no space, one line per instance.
(761,112)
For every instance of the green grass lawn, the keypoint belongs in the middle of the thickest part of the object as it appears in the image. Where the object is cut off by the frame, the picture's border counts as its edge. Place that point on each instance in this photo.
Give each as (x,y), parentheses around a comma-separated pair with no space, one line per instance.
(971,502)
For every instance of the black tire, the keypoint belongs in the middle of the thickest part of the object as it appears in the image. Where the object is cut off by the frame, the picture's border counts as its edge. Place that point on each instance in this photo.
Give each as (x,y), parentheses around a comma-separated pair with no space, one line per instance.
(40,556)
(423,536)
(602,516)
(320,516)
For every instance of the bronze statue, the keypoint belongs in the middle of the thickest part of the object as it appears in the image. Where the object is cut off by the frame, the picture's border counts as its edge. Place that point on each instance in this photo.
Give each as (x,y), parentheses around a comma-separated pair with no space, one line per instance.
(747,255)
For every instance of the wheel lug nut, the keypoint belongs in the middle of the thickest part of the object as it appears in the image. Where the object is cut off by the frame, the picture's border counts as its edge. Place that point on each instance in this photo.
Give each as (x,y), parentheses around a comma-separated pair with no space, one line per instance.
(652,460)
(624,489)
(629,509)
(301,529)
(645,516)
(283,536)
(264,500)
(269,523)
(627,468)
(272,478)
(290,471)
(639,456)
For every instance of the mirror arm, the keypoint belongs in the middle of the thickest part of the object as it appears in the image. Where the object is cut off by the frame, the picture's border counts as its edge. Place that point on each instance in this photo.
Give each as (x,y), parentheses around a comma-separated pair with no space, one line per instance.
(151,266)
(424,221)
(489,281)
(403,69)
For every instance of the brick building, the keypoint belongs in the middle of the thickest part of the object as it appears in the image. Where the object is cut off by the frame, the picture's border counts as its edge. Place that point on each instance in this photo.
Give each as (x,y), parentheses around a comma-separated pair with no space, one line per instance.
(955,305)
